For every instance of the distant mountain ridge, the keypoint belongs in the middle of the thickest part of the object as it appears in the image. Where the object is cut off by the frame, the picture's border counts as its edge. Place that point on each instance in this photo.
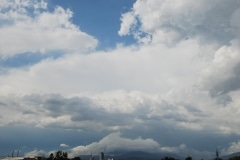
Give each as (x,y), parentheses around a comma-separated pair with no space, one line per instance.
(133,155)
(141,155)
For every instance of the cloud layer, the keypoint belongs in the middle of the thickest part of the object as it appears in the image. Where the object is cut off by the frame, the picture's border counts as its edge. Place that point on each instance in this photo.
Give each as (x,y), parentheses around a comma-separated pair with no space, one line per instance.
(181,76)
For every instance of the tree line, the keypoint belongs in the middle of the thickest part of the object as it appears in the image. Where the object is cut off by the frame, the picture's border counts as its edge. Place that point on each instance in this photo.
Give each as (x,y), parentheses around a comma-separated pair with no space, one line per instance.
(61,155)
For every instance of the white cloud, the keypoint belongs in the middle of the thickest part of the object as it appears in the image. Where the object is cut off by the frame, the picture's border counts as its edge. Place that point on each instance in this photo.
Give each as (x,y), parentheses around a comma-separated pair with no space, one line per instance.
(127,18)
(147,68)
(41,31)
(183,19)
(36,152)
(64,145)
(115,142)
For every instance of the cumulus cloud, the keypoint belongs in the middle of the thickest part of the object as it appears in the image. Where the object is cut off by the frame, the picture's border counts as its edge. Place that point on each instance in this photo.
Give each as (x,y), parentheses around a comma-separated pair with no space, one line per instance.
(170,21)
(215,23)
(115,142)
(222,75)
(39,30)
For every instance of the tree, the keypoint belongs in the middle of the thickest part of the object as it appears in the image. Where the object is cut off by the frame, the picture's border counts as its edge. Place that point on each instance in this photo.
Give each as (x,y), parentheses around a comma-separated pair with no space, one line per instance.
(59,155)
(51,156)
(65,155)
(188,158)
(168,158)
(217,155)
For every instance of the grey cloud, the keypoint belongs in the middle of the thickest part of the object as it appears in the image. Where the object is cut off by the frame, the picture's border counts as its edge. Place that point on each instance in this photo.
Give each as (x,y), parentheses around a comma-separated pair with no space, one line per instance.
(224,99)
(2,104)
(225,85)
(194,110)
(159,120)
(176,117)
(53,110)
(56,105)
(222,75)
(28,112)
(85,113)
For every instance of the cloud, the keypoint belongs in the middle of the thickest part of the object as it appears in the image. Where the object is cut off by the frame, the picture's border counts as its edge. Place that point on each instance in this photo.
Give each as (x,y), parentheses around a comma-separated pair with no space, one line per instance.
(64,145)
(55,111)
(115,142)
(120,111)
(40,30)
(158,88)
(36,152)
(232,148)
(103,114)
(147,68)
(170,22)
(222,75)
(127,18)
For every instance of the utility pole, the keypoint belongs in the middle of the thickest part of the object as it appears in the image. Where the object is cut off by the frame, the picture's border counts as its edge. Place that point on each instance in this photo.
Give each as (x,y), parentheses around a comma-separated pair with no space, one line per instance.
(12,153)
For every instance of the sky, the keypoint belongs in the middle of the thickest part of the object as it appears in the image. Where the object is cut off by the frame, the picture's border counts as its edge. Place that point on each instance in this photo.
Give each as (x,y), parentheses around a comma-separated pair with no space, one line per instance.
(91,76)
